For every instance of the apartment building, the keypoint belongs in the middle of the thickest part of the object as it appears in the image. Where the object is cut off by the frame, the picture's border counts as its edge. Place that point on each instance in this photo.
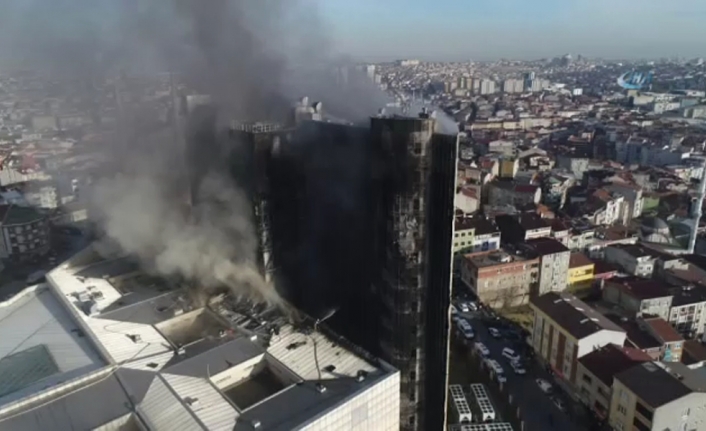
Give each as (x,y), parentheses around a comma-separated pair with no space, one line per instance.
(554,260)
(523,227)
(633,199)
(594,376)
(639,296)
(487,234)
(654,396)
(688,312)
(683,307)
(580,271)
(510,193)
(633,259)
(566,329)
(671,343)
(464,233)
(501,279)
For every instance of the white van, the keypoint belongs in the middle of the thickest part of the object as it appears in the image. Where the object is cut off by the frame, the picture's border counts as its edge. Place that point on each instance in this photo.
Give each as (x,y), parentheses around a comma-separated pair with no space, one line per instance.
(465,328)
(497,370)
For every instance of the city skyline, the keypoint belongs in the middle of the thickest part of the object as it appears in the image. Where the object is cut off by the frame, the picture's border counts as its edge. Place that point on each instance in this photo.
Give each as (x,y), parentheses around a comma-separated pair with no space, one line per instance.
(623,29)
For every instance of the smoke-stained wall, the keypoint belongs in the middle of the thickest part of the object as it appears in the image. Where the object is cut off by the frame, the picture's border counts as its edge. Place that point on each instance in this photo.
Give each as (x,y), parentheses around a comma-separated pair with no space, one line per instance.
(322,225)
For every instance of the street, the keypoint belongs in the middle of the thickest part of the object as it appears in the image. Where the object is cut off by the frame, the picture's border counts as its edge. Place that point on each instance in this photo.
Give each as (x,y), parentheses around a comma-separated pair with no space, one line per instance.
(536,408)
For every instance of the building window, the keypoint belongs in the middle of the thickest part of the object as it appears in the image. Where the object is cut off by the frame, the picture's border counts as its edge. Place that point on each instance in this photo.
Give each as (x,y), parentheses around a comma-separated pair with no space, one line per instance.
(621,409)
(637,423)
(644,411)
(586,378)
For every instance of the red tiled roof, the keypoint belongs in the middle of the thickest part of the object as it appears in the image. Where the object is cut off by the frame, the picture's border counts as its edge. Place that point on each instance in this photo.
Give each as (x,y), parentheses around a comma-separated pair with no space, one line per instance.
(663,330)
(579,259)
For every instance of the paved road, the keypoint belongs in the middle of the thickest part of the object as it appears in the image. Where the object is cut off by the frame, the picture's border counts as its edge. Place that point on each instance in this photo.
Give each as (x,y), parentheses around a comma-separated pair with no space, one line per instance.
(536,408)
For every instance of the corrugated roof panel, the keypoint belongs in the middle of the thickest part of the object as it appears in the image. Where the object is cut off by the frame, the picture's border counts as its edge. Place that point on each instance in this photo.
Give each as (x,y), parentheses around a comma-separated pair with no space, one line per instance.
(301,358)
(116,337)
(205,401)
(164,411)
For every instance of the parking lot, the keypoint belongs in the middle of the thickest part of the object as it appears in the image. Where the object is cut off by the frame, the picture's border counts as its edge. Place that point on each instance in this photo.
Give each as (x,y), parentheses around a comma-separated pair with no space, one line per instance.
(537,409)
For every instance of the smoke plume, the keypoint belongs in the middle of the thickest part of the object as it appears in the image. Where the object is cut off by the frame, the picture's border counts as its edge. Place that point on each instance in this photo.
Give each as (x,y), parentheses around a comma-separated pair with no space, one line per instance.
(252,56)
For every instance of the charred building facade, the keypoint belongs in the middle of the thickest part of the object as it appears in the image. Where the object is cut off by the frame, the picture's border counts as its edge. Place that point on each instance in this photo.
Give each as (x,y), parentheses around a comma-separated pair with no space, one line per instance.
(244,152)
(416,185)
(360,219)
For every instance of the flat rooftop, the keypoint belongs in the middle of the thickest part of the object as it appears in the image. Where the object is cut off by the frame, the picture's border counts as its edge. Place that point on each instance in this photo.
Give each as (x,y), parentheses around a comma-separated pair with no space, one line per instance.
(40,345)
(222,364)
(497,257)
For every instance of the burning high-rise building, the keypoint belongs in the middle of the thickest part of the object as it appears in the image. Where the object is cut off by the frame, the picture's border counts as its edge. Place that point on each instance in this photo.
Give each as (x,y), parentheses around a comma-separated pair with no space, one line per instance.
(359,220)
(416,187)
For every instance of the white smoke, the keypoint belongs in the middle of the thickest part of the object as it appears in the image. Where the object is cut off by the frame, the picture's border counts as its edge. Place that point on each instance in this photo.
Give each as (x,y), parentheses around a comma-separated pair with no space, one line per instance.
(213,246)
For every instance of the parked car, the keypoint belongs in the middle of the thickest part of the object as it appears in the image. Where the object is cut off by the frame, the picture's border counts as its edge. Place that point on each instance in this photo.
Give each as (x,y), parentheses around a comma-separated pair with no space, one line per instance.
(464,307)
(518,368)
(544,385)
(510,355)
(497,370)
(494,333)
(482,349)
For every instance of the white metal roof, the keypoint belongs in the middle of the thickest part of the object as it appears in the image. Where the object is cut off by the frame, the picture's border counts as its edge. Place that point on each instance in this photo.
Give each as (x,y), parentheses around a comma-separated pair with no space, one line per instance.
(34,321)
(90,407)
(204,400)
(173,388)
(115,338)
(301,358)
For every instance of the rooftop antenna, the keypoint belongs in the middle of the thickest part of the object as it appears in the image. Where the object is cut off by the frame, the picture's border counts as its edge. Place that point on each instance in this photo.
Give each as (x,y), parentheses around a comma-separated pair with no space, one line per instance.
(319,321)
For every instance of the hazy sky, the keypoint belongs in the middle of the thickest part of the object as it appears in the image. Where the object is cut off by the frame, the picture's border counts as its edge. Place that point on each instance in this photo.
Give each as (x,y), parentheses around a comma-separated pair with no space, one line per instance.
(490,29)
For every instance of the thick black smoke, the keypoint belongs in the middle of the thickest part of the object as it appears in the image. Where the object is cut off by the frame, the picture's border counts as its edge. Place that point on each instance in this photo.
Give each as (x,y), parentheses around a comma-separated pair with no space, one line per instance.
(253,57)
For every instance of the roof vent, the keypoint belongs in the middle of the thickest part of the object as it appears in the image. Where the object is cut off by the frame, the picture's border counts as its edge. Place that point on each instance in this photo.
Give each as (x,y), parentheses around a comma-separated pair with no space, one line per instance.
(181,351)
(136,338)
(361,375)
(256,423)
(321,388)
(330,368)
(192,402)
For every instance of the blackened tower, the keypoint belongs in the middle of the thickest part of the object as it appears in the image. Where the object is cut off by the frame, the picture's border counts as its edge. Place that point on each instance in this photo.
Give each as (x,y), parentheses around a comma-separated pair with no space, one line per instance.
(243,153)
(416,183)
(253,168)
